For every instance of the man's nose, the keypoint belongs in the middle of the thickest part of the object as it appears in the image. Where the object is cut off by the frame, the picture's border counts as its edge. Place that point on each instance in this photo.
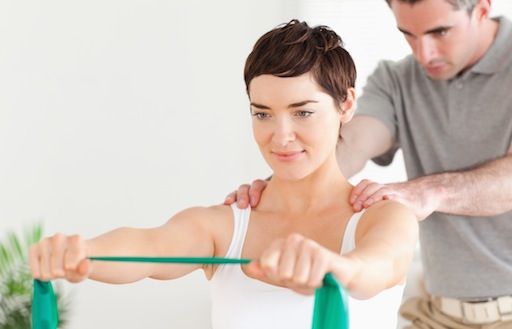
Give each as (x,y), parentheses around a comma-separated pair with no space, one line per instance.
(425,50)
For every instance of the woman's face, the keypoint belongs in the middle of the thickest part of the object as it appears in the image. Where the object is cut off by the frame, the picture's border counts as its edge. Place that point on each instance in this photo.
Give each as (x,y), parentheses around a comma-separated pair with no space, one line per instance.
(295,124)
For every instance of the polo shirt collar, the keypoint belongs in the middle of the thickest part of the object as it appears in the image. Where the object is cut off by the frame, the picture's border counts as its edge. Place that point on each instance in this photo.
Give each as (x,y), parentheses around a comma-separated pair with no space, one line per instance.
(498,55)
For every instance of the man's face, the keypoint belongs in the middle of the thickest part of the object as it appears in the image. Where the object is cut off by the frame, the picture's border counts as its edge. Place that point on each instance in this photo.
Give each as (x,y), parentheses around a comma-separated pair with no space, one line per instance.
(443,40)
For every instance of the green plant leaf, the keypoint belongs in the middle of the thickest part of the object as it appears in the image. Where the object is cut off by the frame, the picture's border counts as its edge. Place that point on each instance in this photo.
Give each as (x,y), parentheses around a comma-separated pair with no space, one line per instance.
(16,282)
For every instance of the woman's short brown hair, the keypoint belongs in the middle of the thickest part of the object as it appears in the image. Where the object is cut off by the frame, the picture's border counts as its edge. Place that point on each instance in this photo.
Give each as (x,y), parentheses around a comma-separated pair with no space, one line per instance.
(295,48)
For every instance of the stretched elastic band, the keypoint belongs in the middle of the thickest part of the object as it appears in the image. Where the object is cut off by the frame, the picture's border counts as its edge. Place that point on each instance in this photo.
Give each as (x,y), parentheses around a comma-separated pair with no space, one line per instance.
(330,310)
(179,260)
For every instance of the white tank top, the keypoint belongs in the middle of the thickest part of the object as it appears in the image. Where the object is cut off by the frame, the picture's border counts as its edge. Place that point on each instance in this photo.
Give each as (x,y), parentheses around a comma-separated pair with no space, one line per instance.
(240,302)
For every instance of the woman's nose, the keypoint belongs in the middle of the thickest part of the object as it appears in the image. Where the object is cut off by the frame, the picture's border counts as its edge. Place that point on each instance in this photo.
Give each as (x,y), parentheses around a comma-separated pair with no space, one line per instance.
(283,132)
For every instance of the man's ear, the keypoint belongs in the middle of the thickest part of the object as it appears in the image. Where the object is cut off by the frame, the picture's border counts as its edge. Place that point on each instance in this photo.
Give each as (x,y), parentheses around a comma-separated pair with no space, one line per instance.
(348,106)
(482,10)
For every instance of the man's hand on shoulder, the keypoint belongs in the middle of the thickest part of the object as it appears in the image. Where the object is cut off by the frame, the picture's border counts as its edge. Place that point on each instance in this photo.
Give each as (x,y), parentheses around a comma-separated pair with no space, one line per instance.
(247,194)
(415,194)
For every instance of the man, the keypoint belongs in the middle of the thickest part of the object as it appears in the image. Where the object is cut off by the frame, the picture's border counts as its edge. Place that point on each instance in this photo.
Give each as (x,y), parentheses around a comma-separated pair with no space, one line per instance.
(448,106)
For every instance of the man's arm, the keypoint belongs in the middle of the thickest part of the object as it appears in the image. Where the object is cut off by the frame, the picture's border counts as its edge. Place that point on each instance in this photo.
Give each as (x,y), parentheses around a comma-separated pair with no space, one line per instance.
(485,190)
(363,138)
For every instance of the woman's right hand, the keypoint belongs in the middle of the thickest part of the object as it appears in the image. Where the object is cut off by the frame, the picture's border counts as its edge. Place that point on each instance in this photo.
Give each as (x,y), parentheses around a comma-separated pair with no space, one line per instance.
(247,192)
(60,257)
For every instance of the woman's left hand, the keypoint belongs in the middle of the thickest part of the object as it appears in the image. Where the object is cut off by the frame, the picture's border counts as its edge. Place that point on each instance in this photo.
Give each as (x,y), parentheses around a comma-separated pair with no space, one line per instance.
(296,262)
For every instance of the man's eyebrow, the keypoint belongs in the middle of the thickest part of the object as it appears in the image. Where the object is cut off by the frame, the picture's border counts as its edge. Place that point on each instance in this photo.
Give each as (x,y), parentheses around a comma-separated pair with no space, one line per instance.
(431,31)
(298,104)
(404,31)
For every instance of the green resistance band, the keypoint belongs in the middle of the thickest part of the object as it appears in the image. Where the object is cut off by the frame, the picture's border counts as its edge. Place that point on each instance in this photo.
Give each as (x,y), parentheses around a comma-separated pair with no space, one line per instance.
(330,310)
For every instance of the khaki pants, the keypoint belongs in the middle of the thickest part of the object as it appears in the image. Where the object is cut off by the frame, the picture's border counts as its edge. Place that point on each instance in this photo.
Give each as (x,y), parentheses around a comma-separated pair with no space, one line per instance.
(424,315)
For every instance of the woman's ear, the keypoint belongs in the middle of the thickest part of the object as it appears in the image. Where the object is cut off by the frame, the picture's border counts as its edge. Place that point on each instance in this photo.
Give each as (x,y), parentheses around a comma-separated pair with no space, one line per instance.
(348,106)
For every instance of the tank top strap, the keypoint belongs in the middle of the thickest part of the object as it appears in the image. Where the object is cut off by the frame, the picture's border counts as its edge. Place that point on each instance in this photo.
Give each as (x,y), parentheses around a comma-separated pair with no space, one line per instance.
(241,223)
(349,238)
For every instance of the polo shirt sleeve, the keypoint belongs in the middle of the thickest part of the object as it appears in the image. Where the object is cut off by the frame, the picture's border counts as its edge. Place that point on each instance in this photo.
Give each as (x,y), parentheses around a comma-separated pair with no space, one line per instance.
(378,100)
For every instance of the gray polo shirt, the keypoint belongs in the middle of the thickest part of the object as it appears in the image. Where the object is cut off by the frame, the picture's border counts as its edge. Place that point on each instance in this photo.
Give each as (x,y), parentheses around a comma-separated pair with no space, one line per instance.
(451,125)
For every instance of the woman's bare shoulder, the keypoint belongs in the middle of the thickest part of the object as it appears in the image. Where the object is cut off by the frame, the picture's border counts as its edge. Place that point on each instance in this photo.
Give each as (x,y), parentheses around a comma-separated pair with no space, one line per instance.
(207,220)
(388,213)
(387,208)
(205,213)
(212,223)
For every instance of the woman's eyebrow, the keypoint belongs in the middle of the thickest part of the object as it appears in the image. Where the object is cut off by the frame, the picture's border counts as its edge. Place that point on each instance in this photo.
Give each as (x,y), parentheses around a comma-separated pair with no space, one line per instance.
(260,106)
(298,104)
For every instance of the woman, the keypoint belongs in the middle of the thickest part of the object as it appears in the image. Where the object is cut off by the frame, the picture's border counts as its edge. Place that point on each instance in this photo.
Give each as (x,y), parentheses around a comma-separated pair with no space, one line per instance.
(300,83)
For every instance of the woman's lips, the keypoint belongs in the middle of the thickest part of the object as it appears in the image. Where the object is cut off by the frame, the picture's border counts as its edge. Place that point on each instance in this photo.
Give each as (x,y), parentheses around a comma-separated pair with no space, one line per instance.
(287,156)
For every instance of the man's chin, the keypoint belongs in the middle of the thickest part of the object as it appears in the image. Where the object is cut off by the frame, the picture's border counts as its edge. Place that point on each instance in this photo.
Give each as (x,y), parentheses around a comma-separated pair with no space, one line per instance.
(441,76)
(440,73)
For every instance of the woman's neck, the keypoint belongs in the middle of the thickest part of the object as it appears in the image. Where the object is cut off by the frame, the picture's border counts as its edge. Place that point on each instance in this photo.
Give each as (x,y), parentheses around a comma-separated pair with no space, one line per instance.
(318,191)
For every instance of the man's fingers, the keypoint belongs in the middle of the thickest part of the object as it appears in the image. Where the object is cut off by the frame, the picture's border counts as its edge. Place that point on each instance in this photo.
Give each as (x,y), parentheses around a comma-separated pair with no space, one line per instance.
(358,189)
(247,194)
(366,193)
(255,191)
(230,198)
(378,195)
(242,196)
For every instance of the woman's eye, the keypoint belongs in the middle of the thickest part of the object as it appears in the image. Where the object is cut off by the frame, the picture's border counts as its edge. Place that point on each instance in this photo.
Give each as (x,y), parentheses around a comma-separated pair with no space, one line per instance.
(261,115)
(304,113)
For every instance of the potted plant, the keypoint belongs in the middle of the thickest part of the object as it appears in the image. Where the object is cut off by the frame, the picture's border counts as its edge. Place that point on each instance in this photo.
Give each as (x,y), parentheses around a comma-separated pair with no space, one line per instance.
(16,282)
